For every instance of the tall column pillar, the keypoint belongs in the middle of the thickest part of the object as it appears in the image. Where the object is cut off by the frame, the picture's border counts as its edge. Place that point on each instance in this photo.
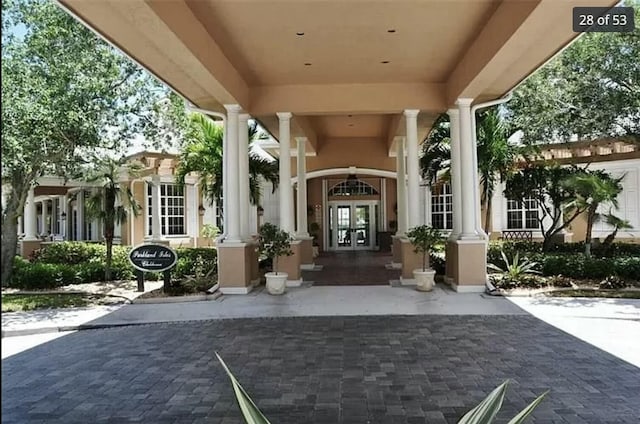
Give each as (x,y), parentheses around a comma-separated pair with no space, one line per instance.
(80,215)
(286,191)
(401,191)
(301,229)
(30,231)
(43,218)
(243,171)
(232,197)
(156,231)
(413,172)
(469,206)
(456,185)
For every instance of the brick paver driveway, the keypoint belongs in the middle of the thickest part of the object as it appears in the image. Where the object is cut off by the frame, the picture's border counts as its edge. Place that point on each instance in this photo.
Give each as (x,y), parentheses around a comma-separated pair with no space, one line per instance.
(318,370)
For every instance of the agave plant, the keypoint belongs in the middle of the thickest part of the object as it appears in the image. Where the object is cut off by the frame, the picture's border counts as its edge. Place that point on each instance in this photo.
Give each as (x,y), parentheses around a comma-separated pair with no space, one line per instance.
(515,269)
(484,413)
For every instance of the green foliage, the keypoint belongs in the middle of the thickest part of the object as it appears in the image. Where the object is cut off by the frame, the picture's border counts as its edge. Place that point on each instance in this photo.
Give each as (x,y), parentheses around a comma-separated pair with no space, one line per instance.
(200,263)
(42,276)
(210,231)
(423,238)
(580,266)
(274,242)
(516,268)
(29,302)
(65,94)
(613,282)
(583,91)
(484,413)
(202,153)
(437,261)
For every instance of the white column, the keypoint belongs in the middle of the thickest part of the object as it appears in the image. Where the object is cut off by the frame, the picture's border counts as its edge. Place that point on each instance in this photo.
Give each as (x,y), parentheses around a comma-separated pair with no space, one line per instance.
(325,216)
(232,176)
(30,217)
(43,218)
(302,230)
(427,205)
(469,206)
(192,204)
(413,171)
(80,215)
(383,204)
(286,191)
(97,232)
(456,188)
(243,171)
(401,190)
(156,232)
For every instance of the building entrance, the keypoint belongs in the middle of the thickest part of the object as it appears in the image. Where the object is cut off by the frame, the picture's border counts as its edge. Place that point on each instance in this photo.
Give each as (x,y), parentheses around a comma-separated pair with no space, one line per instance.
(352,224)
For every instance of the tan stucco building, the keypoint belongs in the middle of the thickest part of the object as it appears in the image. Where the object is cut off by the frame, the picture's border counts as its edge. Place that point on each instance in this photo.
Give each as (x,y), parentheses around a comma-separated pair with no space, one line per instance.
(344,84)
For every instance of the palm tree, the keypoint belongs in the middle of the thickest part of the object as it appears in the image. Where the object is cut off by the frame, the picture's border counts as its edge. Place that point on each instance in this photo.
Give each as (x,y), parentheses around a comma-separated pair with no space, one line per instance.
(593,188)
(617,224)
(112,201)
(496,156)
(202,154)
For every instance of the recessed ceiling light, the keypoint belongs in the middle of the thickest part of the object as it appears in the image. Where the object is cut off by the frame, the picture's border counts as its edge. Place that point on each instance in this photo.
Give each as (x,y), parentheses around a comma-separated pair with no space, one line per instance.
(391,31)
(349,116)
(299,34)
(307,64)
(351,125)
(385,62)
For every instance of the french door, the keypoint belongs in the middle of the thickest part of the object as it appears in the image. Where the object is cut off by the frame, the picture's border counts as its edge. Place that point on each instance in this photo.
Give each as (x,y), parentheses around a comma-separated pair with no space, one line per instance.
(352,225)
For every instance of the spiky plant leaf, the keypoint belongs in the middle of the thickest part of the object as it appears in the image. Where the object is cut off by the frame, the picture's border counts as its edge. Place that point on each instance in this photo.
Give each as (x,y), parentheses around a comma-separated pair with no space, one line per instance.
(518,419)
(250,411)
(486,410)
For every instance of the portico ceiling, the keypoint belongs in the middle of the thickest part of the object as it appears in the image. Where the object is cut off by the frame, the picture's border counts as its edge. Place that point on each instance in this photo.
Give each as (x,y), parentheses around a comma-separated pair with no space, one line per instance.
(323,60)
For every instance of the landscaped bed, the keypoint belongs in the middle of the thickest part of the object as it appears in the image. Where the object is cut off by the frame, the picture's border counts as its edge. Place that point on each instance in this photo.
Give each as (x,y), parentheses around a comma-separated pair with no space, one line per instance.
(18,302)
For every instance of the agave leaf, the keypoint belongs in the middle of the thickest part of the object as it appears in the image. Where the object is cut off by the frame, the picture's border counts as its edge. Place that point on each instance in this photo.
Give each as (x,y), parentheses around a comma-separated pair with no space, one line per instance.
(250,411)
(504,258)
(518,419)
(494,268)
(486,410)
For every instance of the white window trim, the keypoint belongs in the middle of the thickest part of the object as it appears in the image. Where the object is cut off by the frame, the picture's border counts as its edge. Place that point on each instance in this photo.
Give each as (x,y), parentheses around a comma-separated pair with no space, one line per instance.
(147,236)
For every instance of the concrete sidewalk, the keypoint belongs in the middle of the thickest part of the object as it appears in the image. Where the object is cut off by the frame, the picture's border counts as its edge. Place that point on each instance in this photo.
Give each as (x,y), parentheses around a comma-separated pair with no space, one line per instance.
(304,301)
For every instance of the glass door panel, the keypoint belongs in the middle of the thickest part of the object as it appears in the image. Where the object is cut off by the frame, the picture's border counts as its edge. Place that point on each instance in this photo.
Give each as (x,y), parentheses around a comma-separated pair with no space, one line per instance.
(343,226)
(362,226)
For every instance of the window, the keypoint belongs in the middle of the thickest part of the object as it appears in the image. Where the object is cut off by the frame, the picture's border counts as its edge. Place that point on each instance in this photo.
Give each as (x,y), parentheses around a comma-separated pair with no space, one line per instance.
(522,215)
(171,209)
(441,207)
(348,188)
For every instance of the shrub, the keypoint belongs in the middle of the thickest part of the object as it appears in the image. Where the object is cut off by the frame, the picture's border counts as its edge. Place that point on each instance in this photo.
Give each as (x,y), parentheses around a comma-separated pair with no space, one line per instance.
(613,282)
(40,276)
(438,263)
(197,262)
(529,281)
(628,268)
(70,253)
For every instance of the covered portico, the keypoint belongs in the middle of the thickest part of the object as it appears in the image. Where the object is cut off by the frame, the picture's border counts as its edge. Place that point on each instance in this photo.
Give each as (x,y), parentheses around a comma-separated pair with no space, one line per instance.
(341,84)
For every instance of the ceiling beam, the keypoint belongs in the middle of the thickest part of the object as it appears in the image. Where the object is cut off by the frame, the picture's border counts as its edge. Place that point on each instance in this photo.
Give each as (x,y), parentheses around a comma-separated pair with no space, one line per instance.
(306,127)
(336,99)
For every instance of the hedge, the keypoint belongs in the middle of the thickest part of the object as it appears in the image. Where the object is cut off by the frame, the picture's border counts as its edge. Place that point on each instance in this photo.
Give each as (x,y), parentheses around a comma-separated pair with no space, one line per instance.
(77,262)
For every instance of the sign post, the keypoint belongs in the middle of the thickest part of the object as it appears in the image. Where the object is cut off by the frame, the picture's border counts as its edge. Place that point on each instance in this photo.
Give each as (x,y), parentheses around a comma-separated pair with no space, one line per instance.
(151,257)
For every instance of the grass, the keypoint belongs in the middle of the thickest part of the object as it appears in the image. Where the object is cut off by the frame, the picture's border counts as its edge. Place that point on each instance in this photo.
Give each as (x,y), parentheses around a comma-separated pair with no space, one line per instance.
(617,294)
(30,302)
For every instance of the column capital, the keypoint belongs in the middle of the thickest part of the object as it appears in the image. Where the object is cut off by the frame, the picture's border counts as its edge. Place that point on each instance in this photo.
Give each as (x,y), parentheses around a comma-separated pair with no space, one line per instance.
(233,108)
(243,117)
(301,139)
(453,111)
(464,101)
(284,116)
(411,113)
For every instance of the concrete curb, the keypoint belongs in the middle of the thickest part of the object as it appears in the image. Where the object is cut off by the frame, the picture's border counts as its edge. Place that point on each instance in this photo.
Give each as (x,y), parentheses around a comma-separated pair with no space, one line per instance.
(178,299)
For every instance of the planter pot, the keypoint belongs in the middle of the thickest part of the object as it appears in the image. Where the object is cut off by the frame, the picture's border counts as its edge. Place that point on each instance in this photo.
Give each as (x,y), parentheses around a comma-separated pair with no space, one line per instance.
(424,279)
(276,282)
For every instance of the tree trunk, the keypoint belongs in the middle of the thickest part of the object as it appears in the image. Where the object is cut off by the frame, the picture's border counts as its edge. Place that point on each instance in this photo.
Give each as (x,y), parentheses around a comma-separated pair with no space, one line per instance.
(9,246)
(609,239)
(107,268)
(587,239)
(487,216)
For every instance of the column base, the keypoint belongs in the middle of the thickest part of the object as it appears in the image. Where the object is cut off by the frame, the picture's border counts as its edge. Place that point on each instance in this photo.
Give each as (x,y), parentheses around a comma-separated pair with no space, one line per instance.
(306,250)
(235,267)
(291,264)
(396,249)
(466,264)
(27,247)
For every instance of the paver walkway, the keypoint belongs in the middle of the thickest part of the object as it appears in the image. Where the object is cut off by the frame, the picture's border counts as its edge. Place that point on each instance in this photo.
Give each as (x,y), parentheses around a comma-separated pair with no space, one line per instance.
(375,369)
(353,268)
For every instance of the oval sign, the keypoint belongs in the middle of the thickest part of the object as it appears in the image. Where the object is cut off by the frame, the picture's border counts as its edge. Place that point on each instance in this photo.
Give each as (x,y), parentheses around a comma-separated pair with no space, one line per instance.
(153,257)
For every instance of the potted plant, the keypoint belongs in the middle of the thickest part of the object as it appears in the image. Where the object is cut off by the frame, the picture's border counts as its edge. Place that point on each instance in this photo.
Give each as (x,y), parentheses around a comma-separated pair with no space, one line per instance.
(423,237)
(314,228)
(273,243)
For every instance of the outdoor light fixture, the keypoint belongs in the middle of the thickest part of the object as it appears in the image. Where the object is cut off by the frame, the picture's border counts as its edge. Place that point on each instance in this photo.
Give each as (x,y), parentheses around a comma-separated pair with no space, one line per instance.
(63,216)
(201,210)
(260,211)
(352,180)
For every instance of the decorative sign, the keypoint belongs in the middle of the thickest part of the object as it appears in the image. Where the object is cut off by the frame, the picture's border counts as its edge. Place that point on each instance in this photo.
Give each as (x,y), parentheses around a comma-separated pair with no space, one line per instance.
(153,257)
